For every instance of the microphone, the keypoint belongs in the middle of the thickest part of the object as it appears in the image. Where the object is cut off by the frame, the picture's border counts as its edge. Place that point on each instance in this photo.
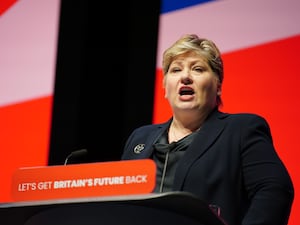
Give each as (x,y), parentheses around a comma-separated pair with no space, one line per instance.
(77,153)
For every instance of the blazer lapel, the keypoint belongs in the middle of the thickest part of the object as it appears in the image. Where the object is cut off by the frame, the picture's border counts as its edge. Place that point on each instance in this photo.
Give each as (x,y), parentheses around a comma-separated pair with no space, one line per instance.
(147,147)
(209,131)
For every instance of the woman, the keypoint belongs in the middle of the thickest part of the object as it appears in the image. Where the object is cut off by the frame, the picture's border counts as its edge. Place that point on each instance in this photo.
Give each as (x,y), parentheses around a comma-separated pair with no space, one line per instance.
(227,160)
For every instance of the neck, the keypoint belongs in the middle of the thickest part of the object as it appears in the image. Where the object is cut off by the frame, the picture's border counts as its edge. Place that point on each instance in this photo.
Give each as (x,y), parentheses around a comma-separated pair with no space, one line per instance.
(177,131)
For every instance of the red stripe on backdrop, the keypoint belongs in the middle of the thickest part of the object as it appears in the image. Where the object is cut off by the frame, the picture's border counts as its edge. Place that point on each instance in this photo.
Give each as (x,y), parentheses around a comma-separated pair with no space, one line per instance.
(5,5)
(24,132)
(264,79)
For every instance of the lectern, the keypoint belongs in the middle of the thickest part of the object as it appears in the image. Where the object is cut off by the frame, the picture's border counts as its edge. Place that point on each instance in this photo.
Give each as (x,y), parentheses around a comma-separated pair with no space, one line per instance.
(116,193)
(176,208)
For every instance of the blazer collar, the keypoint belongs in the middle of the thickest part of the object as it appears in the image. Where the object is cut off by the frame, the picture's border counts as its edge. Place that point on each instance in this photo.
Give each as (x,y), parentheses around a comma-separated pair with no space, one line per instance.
(208,133)
(148,146)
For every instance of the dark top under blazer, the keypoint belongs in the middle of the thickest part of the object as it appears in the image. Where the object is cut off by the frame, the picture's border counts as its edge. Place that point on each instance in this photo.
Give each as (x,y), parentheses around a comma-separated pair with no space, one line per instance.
(231,163)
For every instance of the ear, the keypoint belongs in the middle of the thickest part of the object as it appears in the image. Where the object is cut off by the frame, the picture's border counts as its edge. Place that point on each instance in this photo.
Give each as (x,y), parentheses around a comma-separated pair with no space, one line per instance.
(164,86)
(164,81)
(219,89)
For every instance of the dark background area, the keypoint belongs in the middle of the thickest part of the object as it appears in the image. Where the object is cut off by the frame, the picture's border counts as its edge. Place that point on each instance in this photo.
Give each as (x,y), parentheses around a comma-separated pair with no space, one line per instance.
(105,73)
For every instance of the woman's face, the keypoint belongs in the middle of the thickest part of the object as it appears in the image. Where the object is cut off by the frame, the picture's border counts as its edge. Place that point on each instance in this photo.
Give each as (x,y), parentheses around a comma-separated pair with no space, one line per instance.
(190,84)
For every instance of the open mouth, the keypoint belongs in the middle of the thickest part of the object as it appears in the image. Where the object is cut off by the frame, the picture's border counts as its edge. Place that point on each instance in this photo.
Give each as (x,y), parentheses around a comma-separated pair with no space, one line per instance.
(186,91)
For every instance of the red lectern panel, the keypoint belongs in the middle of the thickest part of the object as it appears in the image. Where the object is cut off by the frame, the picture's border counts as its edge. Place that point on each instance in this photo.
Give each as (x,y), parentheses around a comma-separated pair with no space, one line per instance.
(84,180)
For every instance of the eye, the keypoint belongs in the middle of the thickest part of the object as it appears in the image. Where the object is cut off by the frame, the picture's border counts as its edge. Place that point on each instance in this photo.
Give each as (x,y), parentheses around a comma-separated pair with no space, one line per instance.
(175,70)
(199,69)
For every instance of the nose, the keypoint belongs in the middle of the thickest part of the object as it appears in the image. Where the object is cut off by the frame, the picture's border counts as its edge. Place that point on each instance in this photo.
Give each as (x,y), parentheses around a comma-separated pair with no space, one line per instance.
(186,77)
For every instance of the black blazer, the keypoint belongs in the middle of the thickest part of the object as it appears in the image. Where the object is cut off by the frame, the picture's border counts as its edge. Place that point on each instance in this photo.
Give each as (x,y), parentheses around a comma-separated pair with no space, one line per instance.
(231,163)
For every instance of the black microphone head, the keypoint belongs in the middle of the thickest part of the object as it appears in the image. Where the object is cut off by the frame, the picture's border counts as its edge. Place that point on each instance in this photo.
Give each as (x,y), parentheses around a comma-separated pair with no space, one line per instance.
(80,152)
(76,154)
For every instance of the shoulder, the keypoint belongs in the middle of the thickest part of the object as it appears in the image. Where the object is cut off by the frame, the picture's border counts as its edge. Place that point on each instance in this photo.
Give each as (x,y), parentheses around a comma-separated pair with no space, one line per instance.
(242,117)
(246,121)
